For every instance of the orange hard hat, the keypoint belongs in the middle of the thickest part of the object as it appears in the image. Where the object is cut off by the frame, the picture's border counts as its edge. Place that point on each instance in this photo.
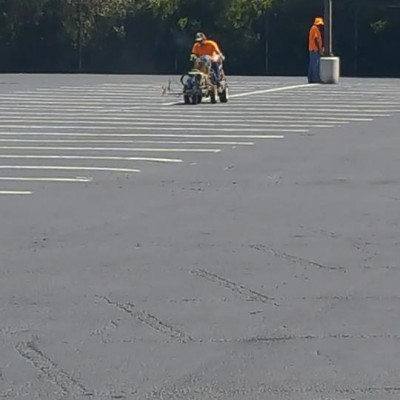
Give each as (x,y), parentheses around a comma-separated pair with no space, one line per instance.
(319,21)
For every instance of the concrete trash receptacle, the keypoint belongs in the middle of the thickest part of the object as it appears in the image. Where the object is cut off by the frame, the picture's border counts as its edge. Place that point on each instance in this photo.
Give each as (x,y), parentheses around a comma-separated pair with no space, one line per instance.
(330,69)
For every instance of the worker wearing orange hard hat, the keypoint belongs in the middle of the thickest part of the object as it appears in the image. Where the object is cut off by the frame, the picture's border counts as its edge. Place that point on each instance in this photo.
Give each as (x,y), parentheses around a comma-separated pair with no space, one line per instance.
(315,48)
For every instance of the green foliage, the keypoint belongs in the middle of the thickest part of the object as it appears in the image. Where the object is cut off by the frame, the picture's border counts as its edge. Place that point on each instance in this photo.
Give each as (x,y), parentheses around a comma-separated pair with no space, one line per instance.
(379,26)
(156,35)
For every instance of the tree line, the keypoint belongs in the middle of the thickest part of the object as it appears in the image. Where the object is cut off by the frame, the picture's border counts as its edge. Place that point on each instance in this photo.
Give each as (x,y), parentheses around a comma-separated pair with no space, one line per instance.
(155,36)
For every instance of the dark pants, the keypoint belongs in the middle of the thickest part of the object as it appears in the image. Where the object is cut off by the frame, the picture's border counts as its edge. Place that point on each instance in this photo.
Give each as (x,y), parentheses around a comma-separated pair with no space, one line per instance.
(313,67)
(215,67)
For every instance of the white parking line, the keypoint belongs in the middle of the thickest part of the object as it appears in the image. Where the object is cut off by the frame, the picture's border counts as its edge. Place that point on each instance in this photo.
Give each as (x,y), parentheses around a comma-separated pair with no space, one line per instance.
(47,179)
(126,117)
(222,112)
(132,149)
(68,157)
(68,168)
(89,89)
(163,135)
(139,91)
(361,92)
(199,111)
(146,85)
(67,98)
(345,109)
(186,142)
(138,124)
(147,128)
(316,105)
(15,192)
(52,106)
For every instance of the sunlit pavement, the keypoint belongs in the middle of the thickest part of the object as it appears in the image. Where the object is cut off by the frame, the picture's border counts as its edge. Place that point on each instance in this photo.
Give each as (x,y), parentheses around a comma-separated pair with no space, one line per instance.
(152,250)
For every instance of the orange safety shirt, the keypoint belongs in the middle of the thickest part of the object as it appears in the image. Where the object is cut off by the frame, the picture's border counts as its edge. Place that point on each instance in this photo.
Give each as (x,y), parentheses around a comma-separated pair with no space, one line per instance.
(207,48)
(315,35)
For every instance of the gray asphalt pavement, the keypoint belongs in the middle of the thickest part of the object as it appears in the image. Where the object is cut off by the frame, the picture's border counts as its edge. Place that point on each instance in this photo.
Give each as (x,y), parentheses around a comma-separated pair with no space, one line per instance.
(239,251)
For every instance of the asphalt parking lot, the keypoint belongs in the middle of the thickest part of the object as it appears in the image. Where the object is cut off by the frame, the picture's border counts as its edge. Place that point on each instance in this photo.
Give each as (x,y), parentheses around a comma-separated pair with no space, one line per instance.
(239,251)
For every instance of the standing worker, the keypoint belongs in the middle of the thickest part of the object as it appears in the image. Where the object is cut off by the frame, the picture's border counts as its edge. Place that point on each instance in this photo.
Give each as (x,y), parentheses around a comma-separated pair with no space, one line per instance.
(315,48)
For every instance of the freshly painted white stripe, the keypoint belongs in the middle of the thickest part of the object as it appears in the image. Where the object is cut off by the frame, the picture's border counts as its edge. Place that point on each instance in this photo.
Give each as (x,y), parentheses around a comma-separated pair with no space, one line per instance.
(137,149)
(137,124)
(270,90)
(185,142)
(14,192)
(67,168)
(155,128)
(68,157)
(47,179)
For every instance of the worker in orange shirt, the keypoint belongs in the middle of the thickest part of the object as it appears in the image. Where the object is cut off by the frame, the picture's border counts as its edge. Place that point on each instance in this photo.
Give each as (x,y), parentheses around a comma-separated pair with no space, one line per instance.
(209,48)
(315,48)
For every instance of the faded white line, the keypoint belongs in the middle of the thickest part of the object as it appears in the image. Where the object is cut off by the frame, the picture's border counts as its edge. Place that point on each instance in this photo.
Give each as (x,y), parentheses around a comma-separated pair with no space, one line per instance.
(163,135)
(222,112)
(157,89)
(15,192)
(148,128)
(68,157)
(65,97)
(185,142)
(188,111)
(132,149)
(52,106)
(242,110)
(333,106)
(79,101)
(68,168)
(160,115)
(360,92)
(285,101)
(146,85)
(173,125)
(345,109)
(47,179)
